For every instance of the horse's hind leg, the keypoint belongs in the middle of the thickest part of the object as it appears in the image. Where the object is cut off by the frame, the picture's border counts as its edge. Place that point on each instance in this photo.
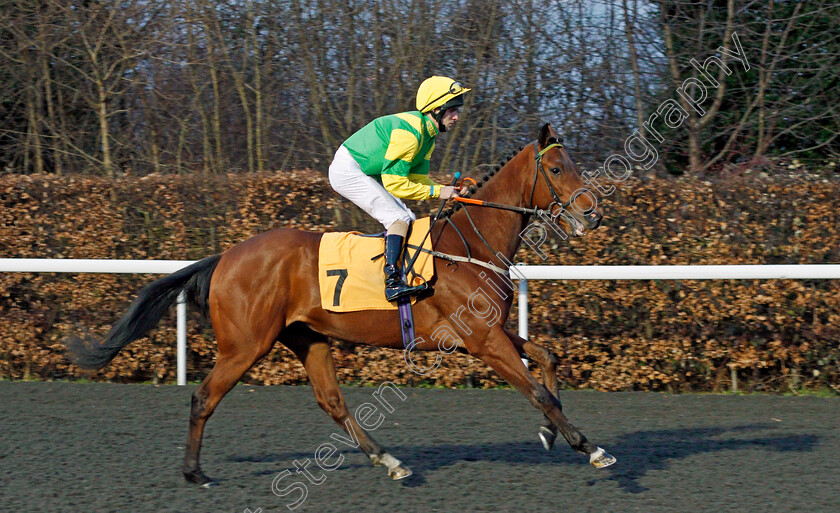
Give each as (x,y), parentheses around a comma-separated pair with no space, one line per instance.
(234,360)
(314,352)
(548,365)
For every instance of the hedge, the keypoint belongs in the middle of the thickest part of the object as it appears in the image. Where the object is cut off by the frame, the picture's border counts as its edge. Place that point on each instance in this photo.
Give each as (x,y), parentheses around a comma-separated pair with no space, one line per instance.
(608,335)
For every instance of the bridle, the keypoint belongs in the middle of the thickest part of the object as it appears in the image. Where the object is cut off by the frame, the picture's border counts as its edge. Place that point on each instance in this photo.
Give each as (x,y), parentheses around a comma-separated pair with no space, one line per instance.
(539,168)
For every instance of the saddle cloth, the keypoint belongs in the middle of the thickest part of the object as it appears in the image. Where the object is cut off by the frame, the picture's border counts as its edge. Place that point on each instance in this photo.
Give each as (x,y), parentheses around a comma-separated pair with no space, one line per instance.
(351,281)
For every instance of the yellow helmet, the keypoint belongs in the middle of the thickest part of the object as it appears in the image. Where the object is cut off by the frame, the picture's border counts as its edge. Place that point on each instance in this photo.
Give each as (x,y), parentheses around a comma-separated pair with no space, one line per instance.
(439,91)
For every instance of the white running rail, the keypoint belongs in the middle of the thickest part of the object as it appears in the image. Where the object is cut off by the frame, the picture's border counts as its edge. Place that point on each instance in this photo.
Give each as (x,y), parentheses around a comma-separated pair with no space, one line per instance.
(662,272)
(51,265)
(521,272)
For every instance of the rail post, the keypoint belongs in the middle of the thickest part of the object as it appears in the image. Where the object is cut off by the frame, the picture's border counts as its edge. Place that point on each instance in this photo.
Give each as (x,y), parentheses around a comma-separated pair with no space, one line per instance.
(523,312)
(181,358)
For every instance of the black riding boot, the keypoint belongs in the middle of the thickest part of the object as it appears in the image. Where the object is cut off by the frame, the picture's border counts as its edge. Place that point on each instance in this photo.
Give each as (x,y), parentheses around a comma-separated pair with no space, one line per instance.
(395,287)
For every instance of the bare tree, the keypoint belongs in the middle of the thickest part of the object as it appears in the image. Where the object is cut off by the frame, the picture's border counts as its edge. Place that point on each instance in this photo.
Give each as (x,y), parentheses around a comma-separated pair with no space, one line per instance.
(183,86)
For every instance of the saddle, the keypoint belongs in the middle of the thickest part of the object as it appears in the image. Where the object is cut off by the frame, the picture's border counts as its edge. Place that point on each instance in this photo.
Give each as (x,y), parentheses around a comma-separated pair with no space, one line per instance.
(351,274)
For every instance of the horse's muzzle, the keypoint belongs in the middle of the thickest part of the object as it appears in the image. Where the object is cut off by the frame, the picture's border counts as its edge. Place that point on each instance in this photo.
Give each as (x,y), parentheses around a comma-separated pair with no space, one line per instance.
(593,220)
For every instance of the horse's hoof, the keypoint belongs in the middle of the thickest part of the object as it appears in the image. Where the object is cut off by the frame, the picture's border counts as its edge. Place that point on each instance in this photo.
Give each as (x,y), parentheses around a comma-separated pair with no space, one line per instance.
(399,472)
(601,458)
(547,437)
(396,470)
(198,477)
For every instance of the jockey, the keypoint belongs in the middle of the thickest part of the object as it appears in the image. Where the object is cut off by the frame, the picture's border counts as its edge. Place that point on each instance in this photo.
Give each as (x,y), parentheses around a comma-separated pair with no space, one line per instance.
(388,160)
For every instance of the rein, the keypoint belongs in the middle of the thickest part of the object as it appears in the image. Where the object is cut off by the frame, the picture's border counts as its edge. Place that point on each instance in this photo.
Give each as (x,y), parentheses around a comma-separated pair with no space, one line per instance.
(490,204)
(539,168)
(500,206)
(527,211)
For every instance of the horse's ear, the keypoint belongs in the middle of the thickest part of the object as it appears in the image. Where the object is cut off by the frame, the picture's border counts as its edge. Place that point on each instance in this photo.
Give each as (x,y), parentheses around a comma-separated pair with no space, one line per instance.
(546,132)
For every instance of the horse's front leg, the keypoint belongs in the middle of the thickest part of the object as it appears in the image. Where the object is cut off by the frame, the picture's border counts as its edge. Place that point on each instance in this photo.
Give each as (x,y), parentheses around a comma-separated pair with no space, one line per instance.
(548,365)
(499,352)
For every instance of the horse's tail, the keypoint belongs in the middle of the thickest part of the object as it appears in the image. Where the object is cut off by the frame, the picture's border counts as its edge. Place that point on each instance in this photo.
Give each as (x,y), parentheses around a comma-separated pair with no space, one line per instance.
(145,312)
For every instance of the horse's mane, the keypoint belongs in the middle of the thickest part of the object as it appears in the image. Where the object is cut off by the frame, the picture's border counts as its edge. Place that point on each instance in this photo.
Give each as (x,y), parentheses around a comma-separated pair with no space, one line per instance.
(480,182)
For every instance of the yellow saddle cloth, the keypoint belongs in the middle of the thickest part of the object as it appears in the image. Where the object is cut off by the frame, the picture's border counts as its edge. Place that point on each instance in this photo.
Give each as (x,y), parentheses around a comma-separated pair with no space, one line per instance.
(351,279)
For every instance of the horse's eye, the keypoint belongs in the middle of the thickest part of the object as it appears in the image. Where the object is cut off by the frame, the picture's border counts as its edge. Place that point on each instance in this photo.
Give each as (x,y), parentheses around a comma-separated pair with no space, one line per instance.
(555,170)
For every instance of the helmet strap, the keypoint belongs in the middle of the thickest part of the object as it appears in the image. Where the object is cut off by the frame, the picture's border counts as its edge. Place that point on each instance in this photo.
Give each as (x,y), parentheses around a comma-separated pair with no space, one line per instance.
(439,118)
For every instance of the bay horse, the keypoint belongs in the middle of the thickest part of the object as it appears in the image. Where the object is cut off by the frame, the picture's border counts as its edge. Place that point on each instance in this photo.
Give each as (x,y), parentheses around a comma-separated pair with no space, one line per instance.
(265,290)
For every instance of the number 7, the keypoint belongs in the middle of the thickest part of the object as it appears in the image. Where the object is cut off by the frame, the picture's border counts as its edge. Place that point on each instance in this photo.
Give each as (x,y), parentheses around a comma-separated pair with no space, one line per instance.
(342,275)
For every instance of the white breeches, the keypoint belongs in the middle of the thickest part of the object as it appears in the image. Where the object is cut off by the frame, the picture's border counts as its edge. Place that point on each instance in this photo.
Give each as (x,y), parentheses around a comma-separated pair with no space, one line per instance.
(347,178)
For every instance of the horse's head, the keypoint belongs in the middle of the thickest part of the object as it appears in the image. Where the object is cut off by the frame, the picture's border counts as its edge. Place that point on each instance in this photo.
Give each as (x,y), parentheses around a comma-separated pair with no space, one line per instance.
(559,188)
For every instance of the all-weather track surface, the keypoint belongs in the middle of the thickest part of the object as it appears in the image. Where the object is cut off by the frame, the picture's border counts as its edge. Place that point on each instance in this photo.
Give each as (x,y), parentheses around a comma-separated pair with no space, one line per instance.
(68,447)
